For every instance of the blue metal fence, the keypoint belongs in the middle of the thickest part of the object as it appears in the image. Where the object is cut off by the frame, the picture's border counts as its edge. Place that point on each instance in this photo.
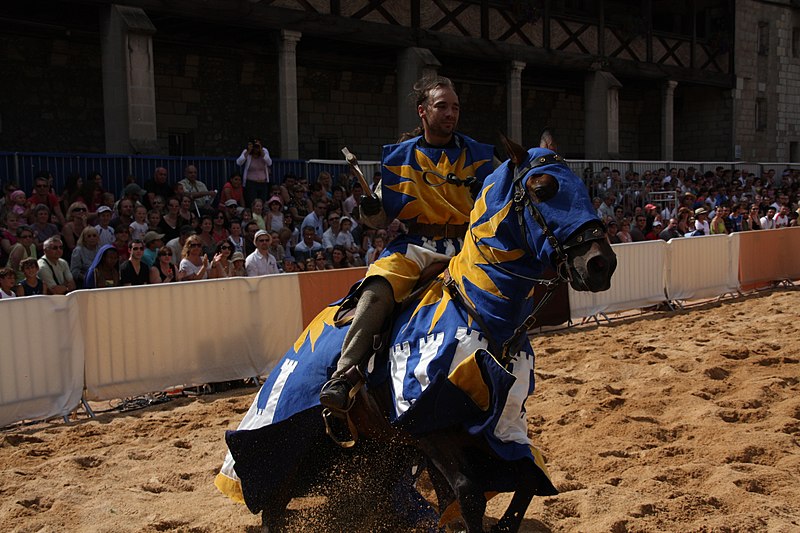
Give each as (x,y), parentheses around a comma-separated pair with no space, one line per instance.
(21,167)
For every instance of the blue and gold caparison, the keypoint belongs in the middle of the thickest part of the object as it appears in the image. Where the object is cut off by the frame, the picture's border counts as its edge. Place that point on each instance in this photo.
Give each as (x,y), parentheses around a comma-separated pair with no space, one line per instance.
(438,365)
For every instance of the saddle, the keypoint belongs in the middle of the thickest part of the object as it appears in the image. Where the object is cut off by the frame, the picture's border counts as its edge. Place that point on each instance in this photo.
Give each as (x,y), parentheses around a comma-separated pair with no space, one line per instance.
(367,410)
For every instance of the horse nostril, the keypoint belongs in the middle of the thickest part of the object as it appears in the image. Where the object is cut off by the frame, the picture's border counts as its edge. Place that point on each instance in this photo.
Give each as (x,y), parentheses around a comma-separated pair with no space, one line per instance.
(597,264)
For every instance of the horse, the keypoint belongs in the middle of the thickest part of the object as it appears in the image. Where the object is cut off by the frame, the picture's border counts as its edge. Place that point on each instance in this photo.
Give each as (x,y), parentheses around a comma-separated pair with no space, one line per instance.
(457,366)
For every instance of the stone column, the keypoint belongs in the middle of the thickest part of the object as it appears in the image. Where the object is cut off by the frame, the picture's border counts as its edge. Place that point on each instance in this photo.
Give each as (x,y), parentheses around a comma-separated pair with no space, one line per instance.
(412,64)
(667,120)
(514,101)
(287,93)
(601,100)
(129,96)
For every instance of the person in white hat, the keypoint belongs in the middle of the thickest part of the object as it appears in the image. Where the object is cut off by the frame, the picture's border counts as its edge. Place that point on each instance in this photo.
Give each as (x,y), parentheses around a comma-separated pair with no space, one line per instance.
(701,221)
(261,262)
(103,227)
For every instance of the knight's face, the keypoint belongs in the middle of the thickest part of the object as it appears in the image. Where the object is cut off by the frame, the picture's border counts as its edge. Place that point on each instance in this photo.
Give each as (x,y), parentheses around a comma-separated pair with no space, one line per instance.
(440,112)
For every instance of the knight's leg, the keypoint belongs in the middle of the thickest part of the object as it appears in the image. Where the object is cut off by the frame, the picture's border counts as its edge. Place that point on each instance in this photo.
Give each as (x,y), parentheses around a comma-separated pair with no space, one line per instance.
(375,303)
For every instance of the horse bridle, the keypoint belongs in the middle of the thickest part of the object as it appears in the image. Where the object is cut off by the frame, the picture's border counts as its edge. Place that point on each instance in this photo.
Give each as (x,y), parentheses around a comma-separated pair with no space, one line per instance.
(522,201)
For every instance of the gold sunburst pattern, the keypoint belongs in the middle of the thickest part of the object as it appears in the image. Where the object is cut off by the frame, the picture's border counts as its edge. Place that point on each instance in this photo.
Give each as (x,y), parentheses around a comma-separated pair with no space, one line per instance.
(444,204)
(476,252)
(437,296)
(315,328)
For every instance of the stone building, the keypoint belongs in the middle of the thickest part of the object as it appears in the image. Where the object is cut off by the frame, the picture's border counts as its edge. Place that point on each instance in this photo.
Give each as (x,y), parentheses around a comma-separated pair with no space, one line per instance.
(652,79)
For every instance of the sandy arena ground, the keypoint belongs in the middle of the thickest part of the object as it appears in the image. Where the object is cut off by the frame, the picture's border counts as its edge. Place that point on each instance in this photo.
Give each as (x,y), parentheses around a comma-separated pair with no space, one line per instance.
(686,421)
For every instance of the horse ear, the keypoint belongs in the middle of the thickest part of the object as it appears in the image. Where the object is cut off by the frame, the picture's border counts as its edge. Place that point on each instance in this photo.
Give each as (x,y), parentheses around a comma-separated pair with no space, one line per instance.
(516,153)
(547,140)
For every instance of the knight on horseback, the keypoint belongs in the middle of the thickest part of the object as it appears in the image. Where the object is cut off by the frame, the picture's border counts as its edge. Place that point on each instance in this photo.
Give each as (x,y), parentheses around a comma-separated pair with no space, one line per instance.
(429,182)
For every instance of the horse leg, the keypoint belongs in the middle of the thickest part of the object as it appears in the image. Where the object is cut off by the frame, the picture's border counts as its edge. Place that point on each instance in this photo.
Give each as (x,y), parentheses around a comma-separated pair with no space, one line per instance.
(448,457)
(444,493)
(272,521)
(511,520)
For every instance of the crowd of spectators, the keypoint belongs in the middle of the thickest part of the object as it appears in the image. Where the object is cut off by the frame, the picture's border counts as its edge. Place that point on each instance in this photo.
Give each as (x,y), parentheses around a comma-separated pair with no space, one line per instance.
(54,242)
(661,204)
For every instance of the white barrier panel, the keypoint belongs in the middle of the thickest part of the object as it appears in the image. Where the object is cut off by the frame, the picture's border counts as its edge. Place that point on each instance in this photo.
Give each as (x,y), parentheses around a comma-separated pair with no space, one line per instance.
(143,339)
(637,282)
(41,363)
(702,267)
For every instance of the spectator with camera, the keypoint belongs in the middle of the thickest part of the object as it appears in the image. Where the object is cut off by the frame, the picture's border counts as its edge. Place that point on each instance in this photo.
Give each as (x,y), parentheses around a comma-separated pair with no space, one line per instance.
(255,174)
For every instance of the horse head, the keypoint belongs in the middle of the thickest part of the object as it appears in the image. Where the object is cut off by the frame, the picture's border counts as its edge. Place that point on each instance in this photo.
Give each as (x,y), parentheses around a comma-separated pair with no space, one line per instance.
(532,213)
(556,200)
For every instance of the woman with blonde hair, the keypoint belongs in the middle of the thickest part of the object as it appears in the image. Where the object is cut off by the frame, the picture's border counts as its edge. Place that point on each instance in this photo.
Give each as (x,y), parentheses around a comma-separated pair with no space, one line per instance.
(194,264)
(84,253)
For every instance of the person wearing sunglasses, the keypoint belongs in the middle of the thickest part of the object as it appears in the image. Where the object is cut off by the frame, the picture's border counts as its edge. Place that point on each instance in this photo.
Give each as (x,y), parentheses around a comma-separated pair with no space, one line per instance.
(194,265)
(43,195)
(77,214)
(164,271)
(221,265)
(54,270)
(261,262)
(134,271)
(24,248)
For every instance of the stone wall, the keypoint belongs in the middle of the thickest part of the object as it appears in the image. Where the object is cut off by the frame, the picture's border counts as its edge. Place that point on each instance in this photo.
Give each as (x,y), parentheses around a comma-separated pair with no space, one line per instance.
(338,107)
(52,94)
(773,78)
(217,98)
(703,124)
(561,110)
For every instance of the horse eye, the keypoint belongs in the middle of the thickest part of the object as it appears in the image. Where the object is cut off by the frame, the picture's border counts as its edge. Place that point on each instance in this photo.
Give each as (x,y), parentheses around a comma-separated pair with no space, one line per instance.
(542,187)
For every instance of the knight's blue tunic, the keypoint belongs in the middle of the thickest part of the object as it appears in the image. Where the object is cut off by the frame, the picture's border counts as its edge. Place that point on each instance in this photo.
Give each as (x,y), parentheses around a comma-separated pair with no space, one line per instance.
(416,189)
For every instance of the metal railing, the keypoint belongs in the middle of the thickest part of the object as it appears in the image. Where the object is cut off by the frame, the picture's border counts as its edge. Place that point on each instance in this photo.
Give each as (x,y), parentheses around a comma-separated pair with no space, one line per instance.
(22,167)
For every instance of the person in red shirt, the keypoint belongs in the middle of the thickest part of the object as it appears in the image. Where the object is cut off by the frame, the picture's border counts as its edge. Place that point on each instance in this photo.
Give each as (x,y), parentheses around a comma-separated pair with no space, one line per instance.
(42,195)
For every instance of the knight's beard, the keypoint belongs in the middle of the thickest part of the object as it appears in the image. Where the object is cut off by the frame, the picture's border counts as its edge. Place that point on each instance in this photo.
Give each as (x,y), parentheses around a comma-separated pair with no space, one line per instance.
(437,130)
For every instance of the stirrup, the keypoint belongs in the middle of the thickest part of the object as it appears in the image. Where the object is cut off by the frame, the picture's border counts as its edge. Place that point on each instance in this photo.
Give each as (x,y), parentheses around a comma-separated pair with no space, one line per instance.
(355,379)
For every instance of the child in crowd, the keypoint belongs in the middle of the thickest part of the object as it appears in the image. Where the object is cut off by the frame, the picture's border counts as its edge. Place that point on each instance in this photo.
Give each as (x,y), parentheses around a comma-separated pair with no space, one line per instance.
(274,218)
(31,285)
(235,238)
(246,215)
(105,231)
(153,218)
(8,278)
(237,265)
(345,240)
(376,250)
(139,226)
(18,201)
(257,213)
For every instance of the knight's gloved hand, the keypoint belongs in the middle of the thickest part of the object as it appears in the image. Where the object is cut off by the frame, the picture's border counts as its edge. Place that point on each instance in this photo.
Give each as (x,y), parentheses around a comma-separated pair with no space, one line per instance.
(370,205)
